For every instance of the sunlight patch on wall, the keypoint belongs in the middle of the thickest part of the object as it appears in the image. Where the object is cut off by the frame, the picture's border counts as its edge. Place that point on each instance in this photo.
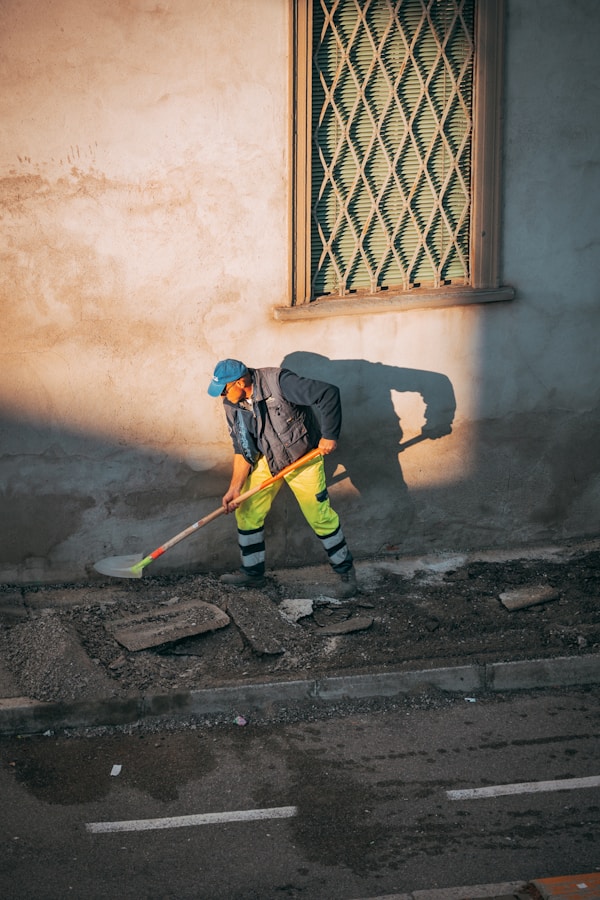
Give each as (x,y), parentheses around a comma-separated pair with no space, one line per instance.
(78,393)
(435,419)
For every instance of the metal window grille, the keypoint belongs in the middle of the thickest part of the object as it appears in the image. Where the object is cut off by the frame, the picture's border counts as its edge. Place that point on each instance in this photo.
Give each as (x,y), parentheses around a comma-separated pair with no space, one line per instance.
(392,126)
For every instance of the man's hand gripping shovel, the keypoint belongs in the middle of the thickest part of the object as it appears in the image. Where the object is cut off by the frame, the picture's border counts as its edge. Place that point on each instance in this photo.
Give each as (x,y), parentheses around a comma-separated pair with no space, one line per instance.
(133,566)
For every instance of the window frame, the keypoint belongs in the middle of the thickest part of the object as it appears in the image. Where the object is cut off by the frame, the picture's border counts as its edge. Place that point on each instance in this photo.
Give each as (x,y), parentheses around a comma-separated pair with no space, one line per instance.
(485,225)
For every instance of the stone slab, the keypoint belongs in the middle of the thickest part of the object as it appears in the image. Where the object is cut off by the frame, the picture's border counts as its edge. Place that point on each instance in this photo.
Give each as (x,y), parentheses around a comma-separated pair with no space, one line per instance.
(240,699)
(22,715)
(357,623)
(259,621)
(540,673)
(164,624)
(390,684)
(519,598)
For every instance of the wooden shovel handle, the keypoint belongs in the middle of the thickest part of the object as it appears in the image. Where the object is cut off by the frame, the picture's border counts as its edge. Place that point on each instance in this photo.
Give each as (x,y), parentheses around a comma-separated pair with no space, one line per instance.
(221,510)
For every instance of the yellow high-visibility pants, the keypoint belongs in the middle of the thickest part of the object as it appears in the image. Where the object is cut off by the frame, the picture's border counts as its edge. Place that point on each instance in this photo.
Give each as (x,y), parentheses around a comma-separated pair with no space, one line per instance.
(309,487)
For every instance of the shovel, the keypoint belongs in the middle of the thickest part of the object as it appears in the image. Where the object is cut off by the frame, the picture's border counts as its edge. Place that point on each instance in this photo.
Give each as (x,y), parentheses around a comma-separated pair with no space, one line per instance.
(133,566)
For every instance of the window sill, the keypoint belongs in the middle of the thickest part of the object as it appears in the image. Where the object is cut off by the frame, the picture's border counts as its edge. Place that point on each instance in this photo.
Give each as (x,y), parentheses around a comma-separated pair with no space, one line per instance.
(370,304)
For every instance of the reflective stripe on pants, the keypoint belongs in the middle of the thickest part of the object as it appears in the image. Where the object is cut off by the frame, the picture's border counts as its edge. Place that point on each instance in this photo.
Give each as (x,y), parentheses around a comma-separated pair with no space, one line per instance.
(309,487)
(337,550)
(252,549)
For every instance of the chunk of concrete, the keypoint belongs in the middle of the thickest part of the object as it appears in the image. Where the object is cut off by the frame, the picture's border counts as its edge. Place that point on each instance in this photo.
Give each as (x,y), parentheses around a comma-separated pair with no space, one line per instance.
(359,623)
(259,621)
(292,610)
(164,624)
(528,596)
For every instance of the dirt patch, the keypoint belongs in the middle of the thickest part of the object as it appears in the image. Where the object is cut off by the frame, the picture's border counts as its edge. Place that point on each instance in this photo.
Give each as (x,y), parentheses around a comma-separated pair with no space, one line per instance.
(427,617)
(47,661)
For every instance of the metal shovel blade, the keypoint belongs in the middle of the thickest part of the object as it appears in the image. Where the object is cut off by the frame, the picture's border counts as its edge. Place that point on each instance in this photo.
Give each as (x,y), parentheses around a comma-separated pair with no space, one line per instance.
(119,566)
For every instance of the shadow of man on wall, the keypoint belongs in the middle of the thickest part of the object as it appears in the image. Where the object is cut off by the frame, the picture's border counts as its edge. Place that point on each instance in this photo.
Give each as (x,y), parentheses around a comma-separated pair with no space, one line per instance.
(368,458)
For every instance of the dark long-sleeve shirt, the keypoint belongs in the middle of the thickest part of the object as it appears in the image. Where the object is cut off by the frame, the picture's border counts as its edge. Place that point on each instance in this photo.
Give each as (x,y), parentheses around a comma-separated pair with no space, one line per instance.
(279,420)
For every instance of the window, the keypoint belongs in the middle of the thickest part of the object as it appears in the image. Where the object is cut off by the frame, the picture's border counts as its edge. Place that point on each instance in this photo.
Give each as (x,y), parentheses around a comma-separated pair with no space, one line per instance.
(396,153)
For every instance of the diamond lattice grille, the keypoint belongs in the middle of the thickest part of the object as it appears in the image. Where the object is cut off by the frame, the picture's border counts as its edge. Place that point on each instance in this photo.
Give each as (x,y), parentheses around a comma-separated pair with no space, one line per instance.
(391,135)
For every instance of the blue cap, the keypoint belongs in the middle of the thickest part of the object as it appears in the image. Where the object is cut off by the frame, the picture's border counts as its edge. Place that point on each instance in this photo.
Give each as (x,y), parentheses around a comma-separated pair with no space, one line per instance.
(226,371)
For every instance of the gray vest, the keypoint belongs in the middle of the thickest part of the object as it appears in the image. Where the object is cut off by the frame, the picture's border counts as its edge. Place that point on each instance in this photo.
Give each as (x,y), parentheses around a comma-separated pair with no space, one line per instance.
(280,430)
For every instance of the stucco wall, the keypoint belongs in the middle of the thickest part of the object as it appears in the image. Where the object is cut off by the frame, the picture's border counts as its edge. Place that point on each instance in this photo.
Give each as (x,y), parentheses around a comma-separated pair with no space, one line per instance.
(144,198)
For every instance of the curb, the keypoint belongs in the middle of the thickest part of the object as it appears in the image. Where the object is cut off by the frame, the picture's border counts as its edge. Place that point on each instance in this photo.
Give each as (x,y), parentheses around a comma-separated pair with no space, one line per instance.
(501,891)
(563,887)
(21,715)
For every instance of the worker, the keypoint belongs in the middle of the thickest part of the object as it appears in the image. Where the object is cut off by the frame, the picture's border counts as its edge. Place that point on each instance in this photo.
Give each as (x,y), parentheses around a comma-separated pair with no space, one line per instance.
(272,424)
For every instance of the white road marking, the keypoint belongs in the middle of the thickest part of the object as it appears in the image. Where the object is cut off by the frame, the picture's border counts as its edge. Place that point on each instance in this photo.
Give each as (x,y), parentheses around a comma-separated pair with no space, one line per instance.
(240,815)
(525,787)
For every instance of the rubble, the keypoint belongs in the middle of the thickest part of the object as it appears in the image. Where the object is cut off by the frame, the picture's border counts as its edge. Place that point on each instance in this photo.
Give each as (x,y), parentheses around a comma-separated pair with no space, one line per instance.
(408,612)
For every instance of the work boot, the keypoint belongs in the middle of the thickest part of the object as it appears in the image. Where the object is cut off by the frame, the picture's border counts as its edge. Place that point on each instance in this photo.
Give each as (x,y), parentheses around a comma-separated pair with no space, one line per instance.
(347,587)
(243,579)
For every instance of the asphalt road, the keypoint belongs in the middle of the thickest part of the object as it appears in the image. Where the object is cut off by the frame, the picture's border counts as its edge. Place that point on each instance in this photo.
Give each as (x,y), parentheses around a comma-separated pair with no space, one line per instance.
(347,808)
